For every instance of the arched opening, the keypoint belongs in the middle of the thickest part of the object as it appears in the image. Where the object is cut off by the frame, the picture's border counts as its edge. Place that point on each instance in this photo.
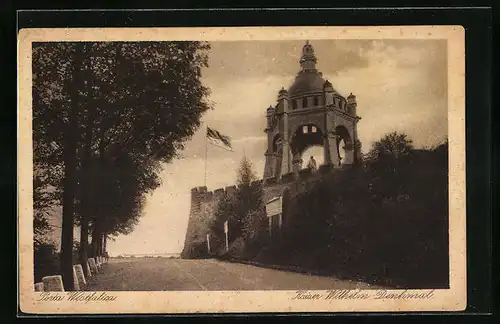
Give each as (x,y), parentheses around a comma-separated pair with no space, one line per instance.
(341,150)
(315,151)
(343,143)
(307,141)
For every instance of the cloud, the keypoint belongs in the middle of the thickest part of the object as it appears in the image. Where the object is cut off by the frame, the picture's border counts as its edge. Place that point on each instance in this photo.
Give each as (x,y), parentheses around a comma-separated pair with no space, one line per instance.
(230,60)
(391,95)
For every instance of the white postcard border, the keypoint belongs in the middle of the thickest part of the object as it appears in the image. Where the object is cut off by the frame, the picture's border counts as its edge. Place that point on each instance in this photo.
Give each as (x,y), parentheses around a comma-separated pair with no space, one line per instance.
(173,302)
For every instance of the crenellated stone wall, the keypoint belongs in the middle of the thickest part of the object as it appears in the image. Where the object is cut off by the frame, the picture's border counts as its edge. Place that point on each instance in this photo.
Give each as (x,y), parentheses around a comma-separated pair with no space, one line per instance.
(201,215)
(204,202)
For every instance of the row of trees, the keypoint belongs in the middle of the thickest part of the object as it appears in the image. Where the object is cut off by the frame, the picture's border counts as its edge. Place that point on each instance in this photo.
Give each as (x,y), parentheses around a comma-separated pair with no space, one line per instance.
(106,116)
(384,222)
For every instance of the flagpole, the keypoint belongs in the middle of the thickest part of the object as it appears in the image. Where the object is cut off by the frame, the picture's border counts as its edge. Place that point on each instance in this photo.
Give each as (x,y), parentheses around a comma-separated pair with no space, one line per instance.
(206,152)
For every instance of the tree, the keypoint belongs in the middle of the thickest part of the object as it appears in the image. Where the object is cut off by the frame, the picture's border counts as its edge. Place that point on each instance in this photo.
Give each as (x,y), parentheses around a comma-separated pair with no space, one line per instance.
(224,208)
(43,200)
(255,226)
(45,261)
(53,76)
(244,210)
(386,159)
(245,173)
(252,214)
(95,104)
(248,197)
(118,202)
(44,250)
(392,147)
(70,164)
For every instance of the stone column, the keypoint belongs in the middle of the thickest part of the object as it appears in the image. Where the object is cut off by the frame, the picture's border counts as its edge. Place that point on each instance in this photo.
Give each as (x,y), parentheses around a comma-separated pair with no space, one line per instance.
(277,162)
(349,147)
(349,154)
(329,137)
(285,158)
(297,163)
(269,167)
(327,155)
(330,149)
(285,155)
(357,143)
(331,155)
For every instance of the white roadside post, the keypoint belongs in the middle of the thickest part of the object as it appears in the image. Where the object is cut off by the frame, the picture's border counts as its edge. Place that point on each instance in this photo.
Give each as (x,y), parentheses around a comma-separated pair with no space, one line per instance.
(39,286)
(53,283)
(89,272)
(208,243)
(93,266)
(76,284)
(80,276)
(226,230)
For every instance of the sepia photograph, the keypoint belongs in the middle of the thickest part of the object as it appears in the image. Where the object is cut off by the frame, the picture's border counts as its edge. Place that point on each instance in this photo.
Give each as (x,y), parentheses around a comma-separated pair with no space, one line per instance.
(219,169)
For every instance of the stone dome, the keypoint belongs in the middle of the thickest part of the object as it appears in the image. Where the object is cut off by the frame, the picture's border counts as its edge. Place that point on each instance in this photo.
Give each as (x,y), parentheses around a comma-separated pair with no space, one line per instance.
(306,82)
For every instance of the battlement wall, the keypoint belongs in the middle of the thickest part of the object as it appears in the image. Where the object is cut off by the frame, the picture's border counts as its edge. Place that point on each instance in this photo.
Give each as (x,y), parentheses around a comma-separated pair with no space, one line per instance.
(204,202)
(202,193)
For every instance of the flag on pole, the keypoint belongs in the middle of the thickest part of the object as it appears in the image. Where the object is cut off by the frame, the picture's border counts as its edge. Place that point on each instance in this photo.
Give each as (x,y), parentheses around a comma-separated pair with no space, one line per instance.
(218,139)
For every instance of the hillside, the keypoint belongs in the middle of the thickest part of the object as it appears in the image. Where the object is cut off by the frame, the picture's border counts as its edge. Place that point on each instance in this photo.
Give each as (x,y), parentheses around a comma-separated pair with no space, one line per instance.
(379,226)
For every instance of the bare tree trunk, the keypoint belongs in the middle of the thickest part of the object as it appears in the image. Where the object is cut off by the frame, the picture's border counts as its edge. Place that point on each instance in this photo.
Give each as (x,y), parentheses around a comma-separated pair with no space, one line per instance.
(84,241)
(99,244)
(105,245)
(95,238)
(97,235)
(95,229)
(87,185)
(70,176)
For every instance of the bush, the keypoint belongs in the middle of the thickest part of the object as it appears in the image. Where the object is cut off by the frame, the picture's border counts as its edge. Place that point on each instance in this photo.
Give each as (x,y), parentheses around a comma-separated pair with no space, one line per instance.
(237,248)
(376,224)
(385,223)
(46,261)
(197,250)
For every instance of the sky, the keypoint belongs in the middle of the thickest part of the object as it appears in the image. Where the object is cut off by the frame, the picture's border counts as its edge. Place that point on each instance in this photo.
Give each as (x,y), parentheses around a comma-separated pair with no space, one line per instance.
(400,85)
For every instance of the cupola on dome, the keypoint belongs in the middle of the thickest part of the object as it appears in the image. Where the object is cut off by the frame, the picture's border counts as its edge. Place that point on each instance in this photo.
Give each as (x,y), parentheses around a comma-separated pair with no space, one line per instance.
(308,80)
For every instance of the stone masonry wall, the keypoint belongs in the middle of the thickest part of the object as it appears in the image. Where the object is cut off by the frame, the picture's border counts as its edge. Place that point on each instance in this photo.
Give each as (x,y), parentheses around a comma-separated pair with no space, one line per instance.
(204,202)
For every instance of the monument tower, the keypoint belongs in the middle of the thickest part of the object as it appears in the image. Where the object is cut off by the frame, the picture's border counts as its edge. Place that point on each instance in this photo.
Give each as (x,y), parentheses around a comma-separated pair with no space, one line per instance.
(310,113)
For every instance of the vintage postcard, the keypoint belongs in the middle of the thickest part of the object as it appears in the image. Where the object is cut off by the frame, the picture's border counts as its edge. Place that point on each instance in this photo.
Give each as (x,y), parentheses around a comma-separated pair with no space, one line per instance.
(241,170)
